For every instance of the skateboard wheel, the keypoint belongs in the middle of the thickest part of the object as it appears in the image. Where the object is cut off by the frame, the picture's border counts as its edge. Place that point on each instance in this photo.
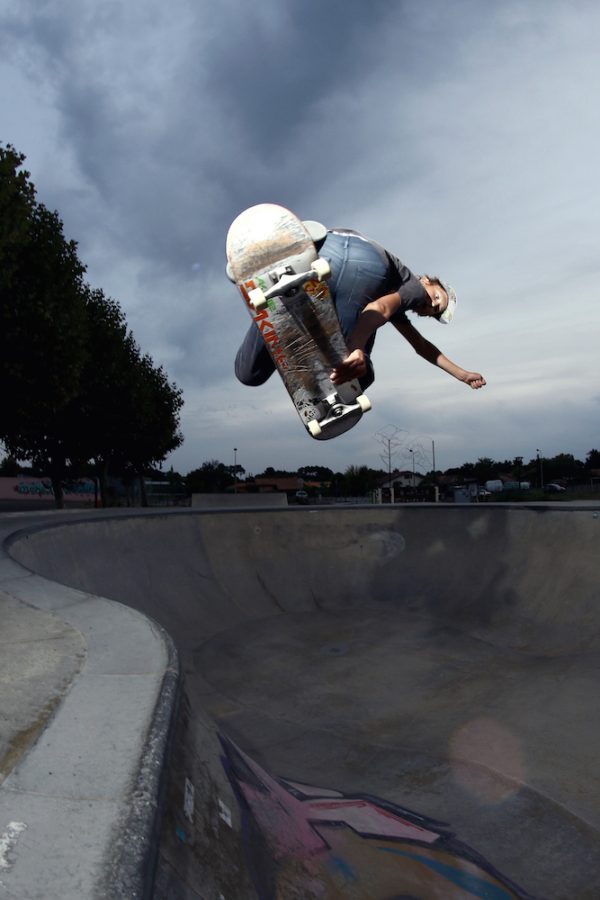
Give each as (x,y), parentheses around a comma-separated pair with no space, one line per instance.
(257,298)
(322,268)
(364,402)
(314,428)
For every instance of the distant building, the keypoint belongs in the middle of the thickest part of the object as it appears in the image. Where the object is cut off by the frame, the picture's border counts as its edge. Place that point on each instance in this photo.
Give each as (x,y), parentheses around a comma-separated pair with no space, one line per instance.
(402,480)
(405,487)
(287,484)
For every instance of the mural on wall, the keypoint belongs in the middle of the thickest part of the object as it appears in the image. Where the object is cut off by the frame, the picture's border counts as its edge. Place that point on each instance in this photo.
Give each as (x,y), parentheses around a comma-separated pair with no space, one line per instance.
(25,487)
(304,841)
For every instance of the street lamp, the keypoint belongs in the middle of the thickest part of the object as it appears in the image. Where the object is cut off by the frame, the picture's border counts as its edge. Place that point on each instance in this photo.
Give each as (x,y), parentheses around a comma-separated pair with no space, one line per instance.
(540,463)
(235,470)
(412,452)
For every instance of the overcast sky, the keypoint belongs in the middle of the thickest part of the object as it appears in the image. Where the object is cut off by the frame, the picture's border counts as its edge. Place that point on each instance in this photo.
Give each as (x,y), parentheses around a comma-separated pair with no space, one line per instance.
(464,136)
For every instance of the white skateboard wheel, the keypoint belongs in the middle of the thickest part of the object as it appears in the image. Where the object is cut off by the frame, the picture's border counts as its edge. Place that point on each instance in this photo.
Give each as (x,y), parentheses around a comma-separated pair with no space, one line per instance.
(257,298)
(364,402)
(322,268)
(314,428)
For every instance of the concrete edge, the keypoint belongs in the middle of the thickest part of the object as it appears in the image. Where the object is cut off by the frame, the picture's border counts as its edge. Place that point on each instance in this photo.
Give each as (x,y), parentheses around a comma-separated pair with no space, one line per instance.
(129,856)
(135,845)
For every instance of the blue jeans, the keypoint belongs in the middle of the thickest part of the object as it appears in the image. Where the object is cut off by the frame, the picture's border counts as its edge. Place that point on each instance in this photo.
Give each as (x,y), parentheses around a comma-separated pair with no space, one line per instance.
(360,272)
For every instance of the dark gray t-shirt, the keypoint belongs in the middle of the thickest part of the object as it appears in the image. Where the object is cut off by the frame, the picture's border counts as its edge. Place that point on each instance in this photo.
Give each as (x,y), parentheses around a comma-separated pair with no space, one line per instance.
(412,292)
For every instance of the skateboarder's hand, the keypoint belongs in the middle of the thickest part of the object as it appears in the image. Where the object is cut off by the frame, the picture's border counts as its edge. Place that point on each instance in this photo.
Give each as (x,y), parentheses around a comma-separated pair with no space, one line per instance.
(474,380)
(354,366)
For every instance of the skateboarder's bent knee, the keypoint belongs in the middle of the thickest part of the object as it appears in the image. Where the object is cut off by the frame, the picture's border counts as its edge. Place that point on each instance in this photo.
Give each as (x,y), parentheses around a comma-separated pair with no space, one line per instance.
(253,364)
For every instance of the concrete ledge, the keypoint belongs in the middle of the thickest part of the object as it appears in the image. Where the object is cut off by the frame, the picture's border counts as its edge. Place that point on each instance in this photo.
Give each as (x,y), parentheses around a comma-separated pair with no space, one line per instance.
(239,501)
(78,805)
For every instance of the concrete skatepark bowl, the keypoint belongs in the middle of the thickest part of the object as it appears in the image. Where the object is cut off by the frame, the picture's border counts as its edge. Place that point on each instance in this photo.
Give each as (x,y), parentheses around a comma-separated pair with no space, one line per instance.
(371,702)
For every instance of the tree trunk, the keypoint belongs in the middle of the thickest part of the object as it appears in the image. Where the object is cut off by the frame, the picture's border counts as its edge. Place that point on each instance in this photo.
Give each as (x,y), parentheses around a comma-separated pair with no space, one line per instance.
(59,496)
(143,492)
(102,468)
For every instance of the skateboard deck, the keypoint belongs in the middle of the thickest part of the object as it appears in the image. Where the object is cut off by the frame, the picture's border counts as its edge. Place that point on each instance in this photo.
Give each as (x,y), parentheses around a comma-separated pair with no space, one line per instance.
(274,262)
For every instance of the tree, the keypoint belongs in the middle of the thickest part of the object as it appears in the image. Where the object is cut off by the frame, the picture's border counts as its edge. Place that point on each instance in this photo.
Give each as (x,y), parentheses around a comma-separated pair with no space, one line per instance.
(9,467)
(151,407)
(101,412)
(359,481)
(466,472)
(213,477)
(74,384)
(562,467)
(270,472)
(42,334)
(174,479)
(17,202)
(315,473)
(484,469)
(592,459)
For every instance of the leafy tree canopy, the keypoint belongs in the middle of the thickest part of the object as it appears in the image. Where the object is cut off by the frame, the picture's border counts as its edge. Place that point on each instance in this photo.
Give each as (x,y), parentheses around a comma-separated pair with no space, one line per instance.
(74,384)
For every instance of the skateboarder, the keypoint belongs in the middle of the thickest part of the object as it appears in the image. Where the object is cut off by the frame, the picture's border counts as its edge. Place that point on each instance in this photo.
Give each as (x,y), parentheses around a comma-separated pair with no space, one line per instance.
(370,287)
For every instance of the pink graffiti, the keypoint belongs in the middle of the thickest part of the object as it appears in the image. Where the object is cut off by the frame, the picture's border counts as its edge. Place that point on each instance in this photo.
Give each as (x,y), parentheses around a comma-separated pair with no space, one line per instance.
(292,823)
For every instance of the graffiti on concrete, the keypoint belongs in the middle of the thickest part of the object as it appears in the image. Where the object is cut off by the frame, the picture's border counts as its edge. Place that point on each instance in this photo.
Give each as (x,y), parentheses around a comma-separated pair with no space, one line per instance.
(44,486)
(304,841)
(25,488)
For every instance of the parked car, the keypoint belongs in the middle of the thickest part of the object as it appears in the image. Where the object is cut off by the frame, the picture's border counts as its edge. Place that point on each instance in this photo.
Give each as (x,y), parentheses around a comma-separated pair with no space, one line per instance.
(483,493)
(553,488)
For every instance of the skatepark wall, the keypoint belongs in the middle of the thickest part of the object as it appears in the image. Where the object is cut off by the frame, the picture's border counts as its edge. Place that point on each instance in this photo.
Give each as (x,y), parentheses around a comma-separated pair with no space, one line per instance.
(500,572)
(488,565)
(239,501)
(28,492)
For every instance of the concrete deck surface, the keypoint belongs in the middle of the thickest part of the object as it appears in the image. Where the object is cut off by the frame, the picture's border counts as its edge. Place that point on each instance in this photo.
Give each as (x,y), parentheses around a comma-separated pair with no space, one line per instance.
(369,702)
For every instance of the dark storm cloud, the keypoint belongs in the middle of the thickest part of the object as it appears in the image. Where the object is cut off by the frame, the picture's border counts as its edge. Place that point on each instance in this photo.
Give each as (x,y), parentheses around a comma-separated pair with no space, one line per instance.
(208,123)
(180,117)
(462,135)
(268,80)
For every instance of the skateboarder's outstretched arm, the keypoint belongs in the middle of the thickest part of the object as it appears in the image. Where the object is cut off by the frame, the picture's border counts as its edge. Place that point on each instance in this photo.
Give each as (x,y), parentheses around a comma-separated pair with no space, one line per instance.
(431,353)
(376,314)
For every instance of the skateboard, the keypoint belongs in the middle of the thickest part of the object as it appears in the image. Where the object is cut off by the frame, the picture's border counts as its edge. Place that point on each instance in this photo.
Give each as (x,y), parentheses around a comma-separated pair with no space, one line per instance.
(273,260)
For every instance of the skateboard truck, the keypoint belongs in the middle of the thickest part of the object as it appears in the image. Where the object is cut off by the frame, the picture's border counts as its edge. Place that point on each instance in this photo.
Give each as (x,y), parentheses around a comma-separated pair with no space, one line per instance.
(277,274)
(286,281)
(337,409)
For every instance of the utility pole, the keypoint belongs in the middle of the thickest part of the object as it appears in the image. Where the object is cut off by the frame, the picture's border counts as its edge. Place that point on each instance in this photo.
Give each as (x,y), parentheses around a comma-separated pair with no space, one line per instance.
(392,438)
